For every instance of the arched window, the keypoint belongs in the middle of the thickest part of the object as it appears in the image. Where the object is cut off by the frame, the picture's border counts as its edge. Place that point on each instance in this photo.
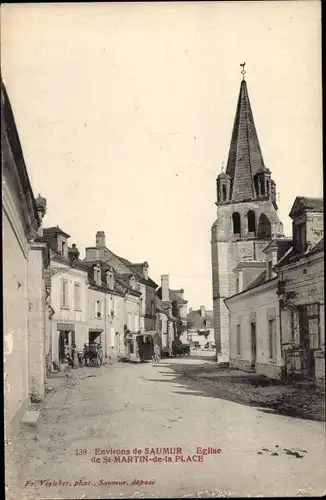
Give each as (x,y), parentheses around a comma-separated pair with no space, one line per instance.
(224,192)
(251,221)
(262,186)
(256,182)
(236,223)
(264,227)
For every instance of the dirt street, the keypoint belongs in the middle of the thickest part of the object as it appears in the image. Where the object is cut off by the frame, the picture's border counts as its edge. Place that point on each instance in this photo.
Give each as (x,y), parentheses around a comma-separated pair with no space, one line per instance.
(136,407)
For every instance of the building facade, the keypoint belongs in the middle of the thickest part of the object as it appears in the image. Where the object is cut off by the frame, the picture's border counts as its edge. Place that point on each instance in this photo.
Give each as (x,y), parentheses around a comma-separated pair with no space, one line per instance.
(200,327)
(25,259)
(301,293)
(119,306)
(246,215)
(254,315)
(69,294)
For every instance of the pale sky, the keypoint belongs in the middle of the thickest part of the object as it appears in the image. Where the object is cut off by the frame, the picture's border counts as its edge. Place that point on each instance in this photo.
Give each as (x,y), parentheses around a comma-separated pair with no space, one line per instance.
(125,113)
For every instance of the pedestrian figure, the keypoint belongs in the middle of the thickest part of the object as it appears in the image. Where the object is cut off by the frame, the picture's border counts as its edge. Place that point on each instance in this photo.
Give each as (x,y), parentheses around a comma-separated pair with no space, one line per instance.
(157,353)
(141,350)
(74,356)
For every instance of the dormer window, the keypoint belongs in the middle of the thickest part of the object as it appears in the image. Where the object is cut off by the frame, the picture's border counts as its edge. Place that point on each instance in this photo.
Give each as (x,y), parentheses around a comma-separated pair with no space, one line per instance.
(97,276)
(63,248)
(269,269)
(132,283)
(109,280)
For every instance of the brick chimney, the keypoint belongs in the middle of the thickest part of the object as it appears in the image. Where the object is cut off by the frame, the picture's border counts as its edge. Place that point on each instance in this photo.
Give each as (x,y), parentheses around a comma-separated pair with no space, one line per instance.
(165,287)
(202,311)
(73,254)
(92,253)
(100,239)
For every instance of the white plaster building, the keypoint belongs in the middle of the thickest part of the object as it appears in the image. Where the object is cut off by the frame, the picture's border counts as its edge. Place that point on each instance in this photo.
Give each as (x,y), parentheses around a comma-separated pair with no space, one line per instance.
(25,258)
(69,294)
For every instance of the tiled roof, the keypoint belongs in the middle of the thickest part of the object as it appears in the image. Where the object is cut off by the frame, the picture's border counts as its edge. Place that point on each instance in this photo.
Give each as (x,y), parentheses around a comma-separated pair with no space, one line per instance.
(135,271)
(315,204)
(245,158)
(172,296)
(55,230)
(319,246)
(304,203)
(294,255)
(258,281)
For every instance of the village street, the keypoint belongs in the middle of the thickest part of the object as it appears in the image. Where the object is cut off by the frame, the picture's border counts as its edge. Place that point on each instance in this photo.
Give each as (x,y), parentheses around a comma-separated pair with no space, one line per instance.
(128,406)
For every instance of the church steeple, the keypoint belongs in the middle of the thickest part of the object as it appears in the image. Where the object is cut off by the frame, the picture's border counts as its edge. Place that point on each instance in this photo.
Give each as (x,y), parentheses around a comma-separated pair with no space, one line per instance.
(249,179)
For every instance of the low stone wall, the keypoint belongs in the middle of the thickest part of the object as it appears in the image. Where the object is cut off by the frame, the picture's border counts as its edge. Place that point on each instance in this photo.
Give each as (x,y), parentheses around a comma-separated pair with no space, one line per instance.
(240,364)
(320,367)
(13,428)
(269,370)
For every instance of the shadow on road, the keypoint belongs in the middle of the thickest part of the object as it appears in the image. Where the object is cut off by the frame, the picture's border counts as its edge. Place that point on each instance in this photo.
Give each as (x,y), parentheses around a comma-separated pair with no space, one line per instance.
(249,389)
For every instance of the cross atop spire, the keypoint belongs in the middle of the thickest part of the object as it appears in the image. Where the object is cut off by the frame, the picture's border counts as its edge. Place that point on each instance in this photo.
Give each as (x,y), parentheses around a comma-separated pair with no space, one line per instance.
(243,71)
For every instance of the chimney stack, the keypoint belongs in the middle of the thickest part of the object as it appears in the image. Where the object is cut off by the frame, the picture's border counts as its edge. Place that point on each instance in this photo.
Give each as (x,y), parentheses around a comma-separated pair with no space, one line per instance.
(100,239)
(202,311)
(73,254)
(190,310)
(92,254)
(165,287)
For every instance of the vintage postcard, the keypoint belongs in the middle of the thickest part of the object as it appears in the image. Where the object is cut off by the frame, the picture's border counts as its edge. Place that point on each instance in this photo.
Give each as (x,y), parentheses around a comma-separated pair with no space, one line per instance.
(163,249)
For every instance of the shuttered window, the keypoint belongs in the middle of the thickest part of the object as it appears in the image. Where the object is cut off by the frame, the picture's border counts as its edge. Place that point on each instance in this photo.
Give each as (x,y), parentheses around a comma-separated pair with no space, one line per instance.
(64,293)
(77,296)
(238,339)
(272,338)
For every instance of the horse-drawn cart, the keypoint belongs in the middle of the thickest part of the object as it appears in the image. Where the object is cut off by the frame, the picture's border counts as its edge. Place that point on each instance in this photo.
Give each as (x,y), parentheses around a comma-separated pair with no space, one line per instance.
(93,354)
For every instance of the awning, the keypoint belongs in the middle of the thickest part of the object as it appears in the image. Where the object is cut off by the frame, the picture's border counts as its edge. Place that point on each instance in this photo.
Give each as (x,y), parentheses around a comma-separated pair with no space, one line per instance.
(95,330)
(66,327)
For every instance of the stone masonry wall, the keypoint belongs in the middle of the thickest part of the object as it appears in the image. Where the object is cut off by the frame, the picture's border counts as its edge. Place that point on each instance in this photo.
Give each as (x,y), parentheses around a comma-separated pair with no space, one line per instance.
(36,324)
(227,250)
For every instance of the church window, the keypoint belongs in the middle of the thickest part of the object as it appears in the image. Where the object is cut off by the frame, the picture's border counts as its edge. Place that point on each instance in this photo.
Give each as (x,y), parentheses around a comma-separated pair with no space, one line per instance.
(256,186)
(224,192)
(264,227)
(251,221)
(262,186)
(236,223)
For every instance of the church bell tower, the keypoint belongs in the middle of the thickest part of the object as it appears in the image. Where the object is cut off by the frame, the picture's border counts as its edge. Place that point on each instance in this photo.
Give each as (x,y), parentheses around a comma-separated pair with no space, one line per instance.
(246,215)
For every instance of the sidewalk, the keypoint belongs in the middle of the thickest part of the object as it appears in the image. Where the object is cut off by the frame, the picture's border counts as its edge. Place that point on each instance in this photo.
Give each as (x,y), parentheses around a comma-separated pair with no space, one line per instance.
(59,387)
(304,401)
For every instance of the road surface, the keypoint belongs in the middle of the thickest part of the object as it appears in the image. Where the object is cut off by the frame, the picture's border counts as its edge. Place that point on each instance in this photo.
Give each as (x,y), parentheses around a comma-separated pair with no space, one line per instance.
(97,413)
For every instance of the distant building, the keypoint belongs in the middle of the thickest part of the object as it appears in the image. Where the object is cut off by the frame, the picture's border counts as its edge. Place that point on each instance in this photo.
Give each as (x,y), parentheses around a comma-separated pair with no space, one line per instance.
(246,216)
(201,326)
(25,260)
(144,283)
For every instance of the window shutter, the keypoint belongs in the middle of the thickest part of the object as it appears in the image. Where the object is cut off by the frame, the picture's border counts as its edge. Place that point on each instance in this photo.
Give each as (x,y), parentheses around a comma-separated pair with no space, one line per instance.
(62,293)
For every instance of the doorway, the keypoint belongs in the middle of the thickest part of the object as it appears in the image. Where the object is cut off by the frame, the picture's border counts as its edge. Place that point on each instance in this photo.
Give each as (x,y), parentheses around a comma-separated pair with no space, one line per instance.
(253,344)
(95,336)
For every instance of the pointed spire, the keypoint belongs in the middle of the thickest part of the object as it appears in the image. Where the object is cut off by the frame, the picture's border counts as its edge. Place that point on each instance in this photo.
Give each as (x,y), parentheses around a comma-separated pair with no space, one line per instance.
(245,157)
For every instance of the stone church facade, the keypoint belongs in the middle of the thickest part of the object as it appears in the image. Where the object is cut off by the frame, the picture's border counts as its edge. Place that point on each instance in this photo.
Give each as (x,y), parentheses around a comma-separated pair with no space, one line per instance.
(246,216)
